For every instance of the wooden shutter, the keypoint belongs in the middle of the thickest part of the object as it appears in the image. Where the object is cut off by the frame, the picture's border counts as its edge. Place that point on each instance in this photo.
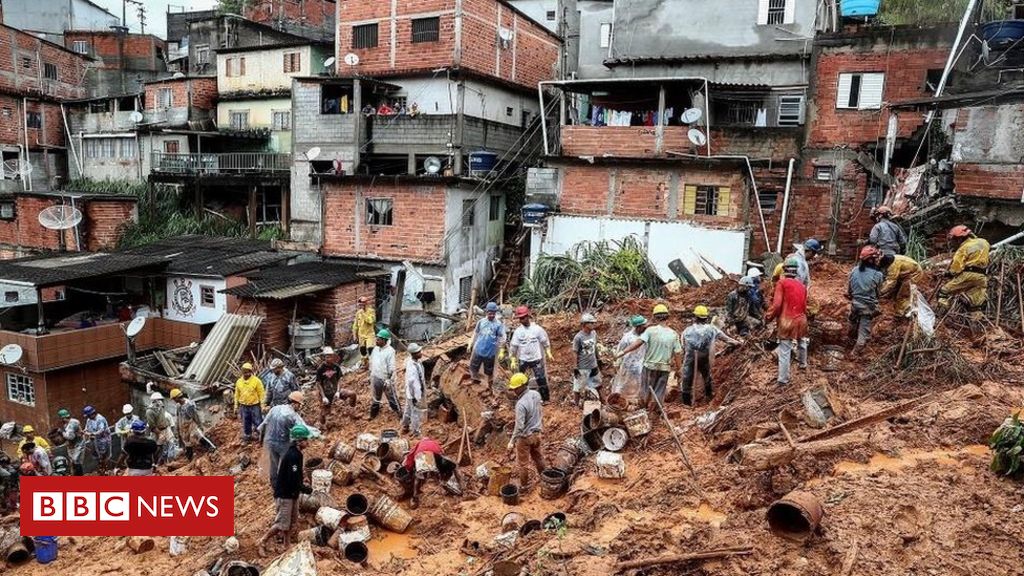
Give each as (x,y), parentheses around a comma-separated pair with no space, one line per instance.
(871,88)
(790,14)
(843,94)
(689,199)
(762,12)
(724,202)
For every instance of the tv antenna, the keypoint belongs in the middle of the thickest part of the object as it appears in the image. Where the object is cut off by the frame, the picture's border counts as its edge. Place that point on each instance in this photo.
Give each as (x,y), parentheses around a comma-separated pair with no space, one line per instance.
(10,355)
(352,59)
(133,330)
(432,165)
(20,168)
(697,137)
(60,217)
(329,66)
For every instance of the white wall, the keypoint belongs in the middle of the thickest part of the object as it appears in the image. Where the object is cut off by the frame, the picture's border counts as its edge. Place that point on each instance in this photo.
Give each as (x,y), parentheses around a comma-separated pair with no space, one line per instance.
(665,241)
(184,302)
(440,96)
(538,11)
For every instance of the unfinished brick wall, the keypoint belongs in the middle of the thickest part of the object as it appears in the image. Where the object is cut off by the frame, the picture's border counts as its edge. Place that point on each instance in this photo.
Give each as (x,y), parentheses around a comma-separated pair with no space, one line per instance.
(105,221)
(98,384)
(336,306)
(995,181)
(529,56)
(113,51)
(307,12)
(418,221)
(641,142)
(22,67)
(195,92)
(101,228)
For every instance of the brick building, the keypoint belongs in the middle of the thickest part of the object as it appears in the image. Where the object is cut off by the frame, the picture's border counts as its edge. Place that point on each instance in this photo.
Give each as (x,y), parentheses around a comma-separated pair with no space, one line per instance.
(122,62)
(103,219)
(313,19)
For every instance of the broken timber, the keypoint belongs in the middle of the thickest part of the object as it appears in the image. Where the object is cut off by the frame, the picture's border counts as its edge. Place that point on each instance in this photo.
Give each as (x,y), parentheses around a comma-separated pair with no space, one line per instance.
(677,558)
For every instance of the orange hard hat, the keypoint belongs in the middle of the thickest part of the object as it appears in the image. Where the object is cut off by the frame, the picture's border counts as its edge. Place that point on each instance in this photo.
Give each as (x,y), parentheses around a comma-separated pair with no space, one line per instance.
(881,210)
(522,311)
(959,231)
(868,252)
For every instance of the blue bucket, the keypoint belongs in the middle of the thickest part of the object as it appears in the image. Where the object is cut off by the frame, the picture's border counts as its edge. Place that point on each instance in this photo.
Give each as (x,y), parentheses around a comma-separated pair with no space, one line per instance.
(46,549)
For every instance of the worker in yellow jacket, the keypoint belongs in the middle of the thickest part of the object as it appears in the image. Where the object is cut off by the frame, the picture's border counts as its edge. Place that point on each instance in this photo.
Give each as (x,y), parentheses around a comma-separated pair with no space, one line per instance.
(364,328)
(900,272)
(30,436)
(968,269)
(250,398)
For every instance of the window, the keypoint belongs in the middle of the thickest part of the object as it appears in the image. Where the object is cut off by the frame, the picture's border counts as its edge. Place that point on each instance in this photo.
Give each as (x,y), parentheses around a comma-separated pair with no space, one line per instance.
(426,29)
(101,107)
(606,35)
(465,290)
(791,110)
(49,71)
(775,12)
(206,296)
(20,389)
(268,209)
(494,211)
(379,211)
(7,210)
(26,63)
(932,79)
(823,173)
(551,15)
(202,53)
(875,196)
(468,213)
(768,200)
(128,149)
(707,200)
(509,111)
(34,119)
(11,296)
(281,120)
(163,98)
(235,67)
(171,147)
(364,36)
(239,119)
(80,46)
(335,99)
(861,91)
(101,148)
(6,112)
(739,112)
(292,62)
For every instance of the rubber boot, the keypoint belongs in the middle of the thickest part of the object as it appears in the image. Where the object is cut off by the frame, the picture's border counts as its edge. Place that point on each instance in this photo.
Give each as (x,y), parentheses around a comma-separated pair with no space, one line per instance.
(374,410)
(708,394)
(688,398)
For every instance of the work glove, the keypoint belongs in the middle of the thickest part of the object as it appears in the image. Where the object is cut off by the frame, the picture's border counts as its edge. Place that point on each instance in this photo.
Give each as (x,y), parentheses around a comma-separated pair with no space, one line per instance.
(325,400)
(511,445)
(337,395)
(547,352)
(514,364)
(501,355)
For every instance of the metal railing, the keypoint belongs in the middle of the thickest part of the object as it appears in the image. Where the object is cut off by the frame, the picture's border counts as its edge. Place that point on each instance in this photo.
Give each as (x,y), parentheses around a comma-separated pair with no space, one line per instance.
(226,163)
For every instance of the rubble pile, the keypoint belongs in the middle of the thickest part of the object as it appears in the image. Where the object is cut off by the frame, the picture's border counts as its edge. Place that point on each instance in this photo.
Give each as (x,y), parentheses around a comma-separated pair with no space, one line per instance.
(898,465)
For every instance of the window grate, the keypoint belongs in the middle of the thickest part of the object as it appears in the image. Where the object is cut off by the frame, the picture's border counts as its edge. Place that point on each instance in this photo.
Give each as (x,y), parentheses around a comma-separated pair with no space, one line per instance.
(768,200)
(80,46)
(468,213)
(494,211)
(239,120)
(426,29)
(207,298)
(776,11)
(364,36)
(379,211)
(465,290)
(21,389)
(791,110)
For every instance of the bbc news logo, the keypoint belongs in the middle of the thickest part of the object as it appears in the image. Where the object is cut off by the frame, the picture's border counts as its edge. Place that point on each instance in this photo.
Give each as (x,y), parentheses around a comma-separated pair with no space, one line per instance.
(127,506)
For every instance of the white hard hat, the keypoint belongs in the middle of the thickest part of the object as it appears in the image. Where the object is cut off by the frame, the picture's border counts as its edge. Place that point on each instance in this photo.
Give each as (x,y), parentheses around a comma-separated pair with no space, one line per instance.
(276,363)
(588,318)
(328,350)
(414,348)
(156,396)
(754,272)
(127,409)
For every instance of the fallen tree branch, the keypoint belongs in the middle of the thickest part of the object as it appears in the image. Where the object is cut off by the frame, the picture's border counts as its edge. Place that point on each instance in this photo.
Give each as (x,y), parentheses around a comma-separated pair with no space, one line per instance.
(676,558)
(868,420)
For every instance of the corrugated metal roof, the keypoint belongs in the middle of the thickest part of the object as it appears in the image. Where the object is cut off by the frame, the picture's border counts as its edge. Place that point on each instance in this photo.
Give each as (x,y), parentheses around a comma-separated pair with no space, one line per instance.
(212,255)
(222,348)
(55,269)
(280,282)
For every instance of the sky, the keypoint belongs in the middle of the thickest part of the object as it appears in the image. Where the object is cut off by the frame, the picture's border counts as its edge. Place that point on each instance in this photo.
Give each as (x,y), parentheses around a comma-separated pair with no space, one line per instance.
(156,12)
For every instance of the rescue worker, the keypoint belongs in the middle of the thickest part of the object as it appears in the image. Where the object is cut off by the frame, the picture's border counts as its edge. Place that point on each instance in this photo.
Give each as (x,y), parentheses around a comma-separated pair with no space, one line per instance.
(756,295)
(967,270)
(141,451)
(886,235)
(415,390)
(862,290)
(587,375)
(526,435)
(627,380)
(527,349)
(661,345)
(418,473)
(189,427)
(75,437)
(287,487)
(122,429)
(382,375)
(698,350)
(250,398)
(364,328)
(275,429)
(98,431)
(158,425)
(328,381)
(279,383)
(789,305)
(740,309)
(30,436)
(488,338)
(900,272)
(37,456)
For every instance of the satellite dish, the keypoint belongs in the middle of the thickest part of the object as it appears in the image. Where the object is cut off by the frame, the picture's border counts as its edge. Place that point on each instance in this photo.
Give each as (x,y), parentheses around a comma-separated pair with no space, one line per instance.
(177,75)
(351,59)
(135,326)
(60,217)
(329,62)
(19,168)
(432,165)
(691,115)
(135,116)
(10,354)
(313,153)
(697,137)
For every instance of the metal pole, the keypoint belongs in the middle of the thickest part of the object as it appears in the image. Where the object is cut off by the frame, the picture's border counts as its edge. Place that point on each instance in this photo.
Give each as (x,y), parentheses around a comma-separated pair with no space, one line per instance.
(785,207)
(696,481)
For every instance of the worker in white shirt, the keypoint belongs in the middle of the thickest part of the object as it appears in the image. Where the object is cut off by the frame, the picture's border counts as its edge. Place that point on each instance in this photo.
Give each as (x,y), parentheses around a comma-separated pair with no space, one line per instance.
(527,349)
(415,388)
(382,374)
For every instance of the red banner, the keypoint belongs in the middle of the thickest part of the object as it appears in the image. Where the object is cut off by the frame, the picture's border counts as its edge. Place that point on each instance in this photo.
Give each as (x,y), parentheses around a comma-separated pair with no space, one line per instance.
(127,506)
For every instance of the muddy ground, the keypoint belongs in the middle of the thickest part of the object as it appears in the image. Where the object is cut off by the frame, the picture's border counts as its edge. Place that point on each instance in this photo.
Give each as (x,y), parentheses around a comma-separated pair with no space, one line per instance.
(911,495)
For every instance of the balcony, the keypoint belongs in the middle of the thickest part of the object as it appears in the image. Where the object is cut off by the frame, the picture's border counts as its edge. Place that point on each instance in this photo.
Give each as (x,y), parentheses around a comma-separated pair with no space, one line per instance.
(203,164)
(642,142)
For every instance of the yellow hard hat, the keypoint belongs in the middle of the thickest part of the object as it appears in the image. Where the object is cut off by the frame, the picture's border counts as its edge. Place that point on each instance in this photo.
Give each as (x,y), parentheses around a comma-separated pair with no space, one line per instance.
(247,366)
(175,393)
(28,429)
(701,311)
(661,309)
(517,380)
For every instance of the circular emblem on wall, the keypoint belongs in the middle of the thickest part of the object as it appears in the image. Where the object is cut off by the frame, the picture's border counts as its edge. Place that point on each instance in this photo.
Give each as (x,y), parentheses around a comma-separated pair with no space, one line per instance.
(182,300)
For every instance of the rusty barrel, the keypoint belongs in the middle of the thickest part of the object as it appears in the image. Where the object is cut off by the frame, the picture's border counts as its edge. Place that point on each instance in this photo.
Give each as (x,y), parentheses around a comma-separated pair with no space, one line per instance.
(343,452)
(795,516)
(567,456)
(393,450)
(637,423)
(603,417)
(552,483)
(356,504)
(499,476)
(388,514)
(356,552)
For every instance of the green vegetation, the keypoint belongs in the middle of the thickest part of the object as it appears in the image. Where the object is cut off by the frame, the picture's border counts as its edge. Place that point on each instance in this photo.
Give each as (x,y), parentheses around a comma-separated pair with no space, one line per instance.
(1007,446)
(120,187)
(230,6)
(930,12)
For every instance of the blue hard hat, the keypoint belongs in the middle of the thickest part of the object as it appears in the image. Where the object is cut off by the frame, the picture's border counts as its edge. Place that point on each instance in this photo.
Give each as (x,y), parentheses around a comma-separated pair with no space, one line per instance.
(812,244)
(138,426)
(88,410)
(492,307)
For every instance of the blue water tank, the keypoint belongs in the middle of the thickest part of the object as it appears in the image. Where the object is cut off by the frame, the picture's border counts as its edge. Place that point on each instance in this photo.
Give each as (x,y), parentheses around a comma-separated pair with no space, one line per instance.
(855,8)
(482,162)
(534,214)
(1002,34)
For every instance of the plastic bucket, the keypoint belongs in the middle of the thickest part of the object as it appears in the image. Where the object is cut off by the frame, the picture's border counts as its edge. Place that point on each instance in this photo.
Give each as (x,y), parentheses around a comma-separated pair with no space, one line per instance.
(510,494)
(614,439)
(388,434)
(498,478)
(567,456)
(637,424)
(19,552)
(356,552)
(795,516)
(46,549)
(388,514)
(367,442)
(343,452)
(320,480)
(330,517)
(356,504)
(426,463)
(554,521)
(512,521)
(393,450)
(552,483)
(610,465)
